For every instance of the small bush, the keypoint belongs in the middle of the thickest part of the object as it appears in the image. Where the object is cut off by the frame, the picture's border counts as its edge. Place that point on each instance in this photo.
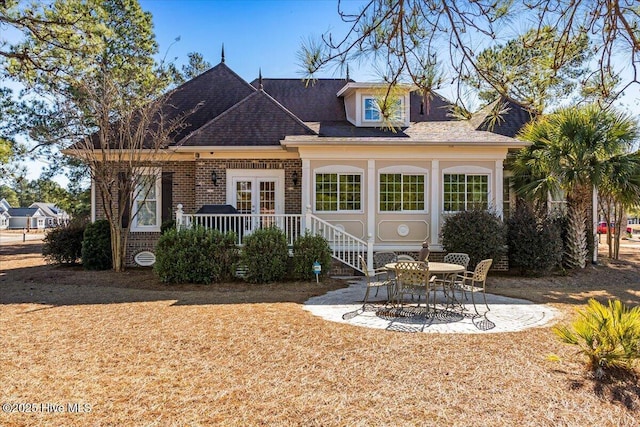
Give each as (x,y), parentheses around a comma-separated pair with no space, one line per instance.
(196,255)
(167,225)
(306,250)
(609,336)
(266,255)
(479,233)
(535,244)
(63,245)
(96,246)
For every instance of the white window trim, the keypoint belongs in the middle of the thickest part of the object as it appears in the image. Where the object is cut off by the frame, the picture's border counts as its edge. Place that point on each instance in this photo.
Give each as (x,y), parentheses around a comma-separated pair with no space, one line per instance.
(467,170)
(405,170)
(340,170)
(158,184)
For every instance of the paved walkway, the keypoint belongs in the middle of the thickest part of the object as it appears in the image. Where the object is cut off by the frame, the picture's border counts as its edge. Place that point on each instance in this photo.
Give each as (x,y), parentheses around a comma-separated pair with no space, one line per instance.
(506,314)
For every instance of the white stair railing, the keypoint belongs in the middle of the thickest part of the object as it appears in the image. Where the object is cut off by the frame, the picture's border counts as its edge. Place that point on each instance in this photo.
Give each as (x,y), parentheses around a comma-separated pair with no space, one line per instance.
(344,246)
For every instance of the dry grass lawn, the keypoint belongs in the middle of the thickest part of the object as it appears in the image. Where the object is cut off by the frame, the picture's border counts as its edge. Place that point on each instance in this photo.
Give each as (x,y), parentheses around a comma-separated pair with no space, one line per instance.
(138,352)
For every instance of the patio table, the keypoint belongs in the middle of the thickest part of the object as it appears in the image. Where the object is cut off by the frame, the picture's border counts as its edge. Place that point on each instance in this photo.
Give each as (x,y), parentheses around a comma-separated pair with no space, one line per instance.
(446,271)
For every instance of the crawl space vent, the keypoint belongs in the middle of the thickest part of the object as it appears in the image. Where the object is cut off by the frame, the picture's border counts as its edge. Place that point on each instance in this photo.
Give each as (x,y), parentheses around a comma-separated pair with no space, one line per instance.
(145,258)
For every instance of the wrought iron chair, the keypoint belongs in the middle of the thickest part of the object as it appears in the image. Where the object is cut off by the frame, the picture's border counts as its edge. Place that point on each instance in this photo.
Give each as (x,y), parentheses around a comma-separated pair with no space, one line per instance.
(475,281)
(380,259)
(457,258)
(374,282)
(413,278)
(456,282)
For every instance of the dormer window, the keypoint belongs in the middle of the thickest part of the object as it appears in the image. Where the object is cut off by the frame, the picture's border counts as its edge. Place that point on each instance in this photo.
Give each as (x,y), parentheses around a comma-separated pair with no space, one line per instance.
(371,110)
(363,101)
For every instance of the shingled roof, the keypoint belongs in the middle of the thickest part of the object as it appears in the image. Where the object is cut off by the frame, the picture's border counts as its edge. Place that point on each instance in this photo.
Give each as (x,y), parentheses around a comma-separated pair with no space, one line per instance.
(313,101)
(509,123)
(216,90)
(257,120)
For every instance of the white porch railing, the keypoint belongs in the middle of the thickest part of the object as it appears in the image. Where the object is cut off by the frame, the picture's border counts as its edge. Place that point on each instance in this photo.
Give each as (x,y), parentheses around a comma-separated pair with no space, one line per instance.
(344,246)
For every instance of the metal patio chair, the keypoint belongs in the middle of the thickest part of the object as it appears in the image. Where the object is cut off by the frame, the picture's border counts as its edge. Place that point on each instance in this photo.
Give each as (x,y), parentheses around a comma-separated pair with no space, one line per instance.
(413,278)
(475,281)
(373,281)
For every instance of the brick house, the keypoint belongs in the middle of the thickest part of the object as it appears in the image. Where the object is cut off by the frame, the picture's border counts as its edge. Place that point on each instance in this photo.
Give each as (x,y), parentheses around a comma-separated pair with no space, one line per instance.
(315,156)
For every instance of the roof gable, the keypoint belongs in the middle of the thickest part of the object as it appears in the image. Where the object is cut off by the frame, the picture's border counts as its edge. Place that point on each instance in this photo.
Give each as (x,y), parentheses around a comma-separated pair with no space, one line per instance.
(257,120)
(23,212)
(212,92)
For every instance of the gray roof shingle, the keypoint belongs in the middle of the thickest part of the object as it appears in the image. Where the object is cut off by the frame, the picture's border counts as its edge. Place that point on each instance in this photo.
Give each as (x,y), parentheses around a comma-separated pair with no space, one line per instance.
(257,120)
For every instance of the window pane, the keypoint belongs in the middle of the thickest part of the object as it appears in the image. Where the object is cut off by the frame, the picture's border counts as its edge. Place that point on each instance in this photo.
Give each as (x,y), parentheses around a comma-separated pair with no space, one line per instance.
(146,213)
(349,192)
(413,192)
(390,192)
(371,110)
(477,191)
(327,192)
(145,203)
(454,192)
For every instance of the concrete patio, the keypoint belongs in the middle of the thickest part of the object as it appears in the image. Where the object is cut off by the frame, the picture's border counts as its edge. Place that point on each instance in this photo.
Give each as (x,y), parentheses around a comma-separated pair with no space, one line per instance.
(505,315)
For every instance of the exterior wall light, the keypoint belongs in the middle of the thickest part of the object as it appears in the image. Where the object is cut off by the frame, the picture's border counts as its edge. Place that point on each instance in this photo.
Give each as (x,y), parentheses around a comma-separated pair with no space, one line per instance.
(214,178)
(294,178)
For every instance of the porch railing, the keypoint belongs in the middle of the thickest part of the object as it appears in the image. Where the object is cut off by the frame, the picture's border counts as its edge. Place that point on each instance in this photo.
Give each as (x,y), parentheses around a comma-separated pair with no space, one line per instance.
(344,246)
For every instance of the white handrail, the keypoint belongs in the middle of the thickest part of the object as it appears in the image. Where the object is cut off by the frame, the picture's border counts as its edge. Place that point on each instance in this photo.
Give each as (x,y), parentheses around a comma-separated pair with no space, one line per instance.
(344,246)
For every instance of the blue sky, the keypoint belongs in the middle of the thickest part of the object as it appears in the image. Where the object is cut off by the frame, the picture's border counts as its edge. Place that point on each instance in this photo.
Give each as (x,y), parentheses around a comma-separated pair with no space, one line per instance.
(256,34)
(261,34)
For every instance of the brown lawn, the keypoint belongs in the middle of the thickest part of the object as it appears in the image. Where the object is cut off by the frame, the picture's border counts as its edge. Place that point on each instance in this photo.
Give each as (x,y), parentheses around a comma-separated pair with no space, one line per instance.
(138,352)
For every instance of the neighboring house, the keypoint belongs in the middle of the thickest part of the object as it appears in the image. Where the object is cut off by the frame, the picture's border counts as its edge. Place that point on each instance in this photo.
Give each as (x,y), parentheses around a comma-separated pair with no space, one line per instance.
(26,218)
(55,215)
(317,153)
(37,216)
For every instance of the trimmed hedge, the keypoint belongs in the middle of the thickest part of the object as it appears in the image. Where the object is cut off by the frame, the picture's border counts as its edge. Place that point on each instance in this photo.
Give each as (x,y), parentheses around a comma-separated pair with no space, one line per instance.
(479,233)
(306,250)
(535,243)
(196,255)
(265,255)
(63,245)
(96,246)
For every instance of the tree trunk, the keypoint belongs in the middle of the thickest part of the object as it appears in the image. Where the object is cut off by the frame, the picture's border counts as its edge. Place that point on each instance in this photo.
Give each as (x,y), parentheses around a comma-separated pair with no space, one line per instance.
(576,250)
(577,247)
(118,247)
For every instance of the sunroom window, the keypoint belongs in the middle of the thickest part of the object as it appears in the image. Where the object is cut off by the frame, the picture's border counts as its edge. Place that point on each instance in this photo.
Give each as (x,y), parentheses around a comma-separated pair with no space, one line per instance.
(338,192)
(402,192)
(465,191)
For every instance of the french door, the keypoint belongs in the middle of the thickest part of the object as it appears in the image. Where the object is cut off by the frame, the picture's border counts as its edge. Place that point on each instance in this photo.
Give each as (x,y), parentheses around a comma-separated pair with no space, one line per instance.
(256,192)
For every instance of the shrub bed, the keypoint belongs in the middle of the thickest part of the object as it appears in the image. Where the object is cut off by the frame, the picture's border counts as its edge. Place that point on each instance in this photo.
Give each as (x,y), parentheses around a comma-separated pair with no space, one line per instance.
(265,255)
(63,245)
(478,233)
(96,246)
(535,243)
(306,250)
(196,255)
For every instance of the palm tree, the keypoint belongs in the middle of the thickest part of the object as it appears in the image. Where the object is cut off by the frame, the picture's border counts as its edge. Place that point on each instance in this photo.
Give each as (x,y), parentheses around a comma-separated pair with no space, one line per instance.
(573,151)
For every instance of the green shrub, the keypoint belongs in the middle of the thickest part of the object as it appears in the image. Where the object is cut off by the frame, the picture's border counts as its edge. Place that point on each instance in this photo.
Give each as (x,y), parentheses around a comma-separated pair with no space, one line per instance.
(535,244)
(306,250)
(167,225)
(96,246)
(63,245)
(478,233)
(265,255)
(609,336)
(196,255)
